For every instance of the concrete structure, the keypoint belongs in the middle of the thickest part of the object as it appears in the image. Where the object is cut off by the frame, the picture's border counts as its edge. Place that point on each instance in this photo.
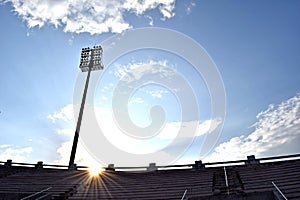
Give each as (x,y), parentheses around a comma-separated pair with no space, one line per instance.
(152,167)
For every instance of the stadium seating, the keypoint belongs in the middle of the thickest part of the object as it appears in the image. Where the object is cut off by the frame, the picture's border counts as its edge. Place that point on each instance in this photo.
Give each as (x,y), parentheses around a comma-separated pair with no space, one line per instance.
(248,180)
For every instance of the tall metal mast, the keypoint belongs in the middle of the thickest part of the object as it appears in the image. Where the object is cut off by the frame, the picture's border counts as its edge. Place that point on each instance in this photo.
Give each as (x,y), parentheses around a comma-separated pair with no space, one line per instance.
(91,60)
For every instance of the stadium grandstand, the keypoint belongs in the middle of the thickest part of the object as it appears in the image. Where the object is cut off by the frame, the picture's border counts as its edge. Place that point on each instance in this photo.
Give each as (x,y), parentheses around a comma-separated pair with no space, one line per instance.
(264,178)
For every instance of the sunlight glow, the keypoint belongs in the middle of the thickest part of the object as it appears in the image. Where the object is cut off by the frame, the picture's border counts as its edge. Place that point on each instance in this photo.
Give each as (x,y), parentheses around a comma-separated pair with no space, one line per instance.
(95,170)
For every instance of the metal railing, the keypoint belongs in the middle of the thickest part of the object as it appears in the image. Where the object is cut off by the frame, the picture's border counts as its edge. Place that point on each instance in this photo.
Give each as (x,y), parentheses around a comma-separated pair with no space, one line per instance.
(278,194)
(34,196)
(226,180)
(182,166)
(184,195)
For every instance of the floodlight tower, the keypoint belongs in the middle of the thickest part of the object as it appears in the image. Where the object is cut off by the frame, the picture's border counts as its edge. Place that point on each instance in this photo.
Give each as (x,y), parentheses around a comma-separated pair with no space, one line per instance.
(91,60)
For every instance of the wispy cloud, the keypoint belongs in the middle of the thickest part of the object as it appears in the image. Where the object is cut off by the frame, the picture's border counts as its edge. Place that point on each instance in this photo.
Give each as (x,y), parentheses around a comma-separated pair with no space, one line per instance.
(136,100)
(115,135)
(82,156)
(135,70)
(189,7)
(91,16)
(65,114)
(171,128)
(157,93)
(66,131)
(17,154)
(277,131)
(67,128)
(122,70)
(151,21)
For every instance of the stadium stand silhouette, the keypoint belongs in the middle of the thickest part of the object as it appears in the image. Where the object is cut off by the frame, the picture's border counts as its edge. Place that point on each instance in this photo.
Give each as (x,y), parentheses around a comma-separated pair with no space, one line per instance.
(265,178)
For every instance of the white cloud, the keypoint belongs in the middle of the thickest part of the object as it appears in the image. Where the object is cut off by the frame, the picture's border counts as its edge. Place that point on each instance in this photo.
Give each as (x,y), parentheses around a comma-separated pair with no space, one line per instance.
(70,40)
(167,11)
(3,146)
(104,98)
(66,131)
(90,16)
(277,131)
(16,154)
(82,156)
(66,114)
(171,128)
(157,93)
(117,138)
(64,150)
(166,7)
(189,7)
(135,71)
(151,21)
(136,100)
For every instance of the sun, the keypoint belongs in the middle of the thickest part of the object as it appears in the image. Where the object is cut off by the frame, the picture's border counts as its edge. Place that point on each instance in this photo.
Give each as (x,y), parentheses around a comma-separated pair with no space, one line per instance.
(95,170)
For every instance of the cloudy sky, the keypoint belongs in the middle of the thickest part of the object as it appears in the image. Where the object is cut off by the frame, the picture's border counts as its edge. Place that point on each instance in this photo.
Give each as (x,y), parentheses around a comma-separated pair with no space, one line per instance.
(254,45)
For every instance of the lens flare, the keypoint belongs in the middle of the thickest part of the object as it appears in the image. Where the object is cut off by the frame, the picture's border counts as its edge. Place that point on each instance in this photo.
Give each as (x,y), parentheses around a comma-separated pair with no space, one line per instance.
(95,170)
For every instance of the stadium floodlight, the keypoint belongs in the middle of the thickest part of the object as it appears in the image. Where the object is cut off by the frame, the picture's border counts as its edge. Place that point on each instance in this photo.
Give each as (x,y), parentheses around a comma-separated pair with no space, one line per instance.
(90,60)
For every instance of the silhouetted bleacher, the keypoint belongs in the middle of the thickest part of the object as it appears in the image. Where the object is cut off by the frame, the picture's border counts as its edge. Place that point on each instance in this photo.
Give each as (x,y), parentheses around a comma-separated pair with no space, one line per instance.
(246,179)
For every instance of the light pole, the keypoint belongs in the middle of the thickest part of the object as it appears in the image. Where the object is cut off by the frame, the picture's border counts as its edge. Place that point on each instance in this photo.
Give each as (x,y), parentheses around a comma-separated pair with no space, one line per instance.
(91,60)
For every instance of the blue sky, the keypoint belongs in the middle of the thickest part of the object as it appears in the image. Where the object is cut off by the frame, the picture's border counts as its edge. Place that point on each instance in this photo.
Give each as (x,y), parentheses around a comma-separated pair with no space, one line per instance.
(254,44)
